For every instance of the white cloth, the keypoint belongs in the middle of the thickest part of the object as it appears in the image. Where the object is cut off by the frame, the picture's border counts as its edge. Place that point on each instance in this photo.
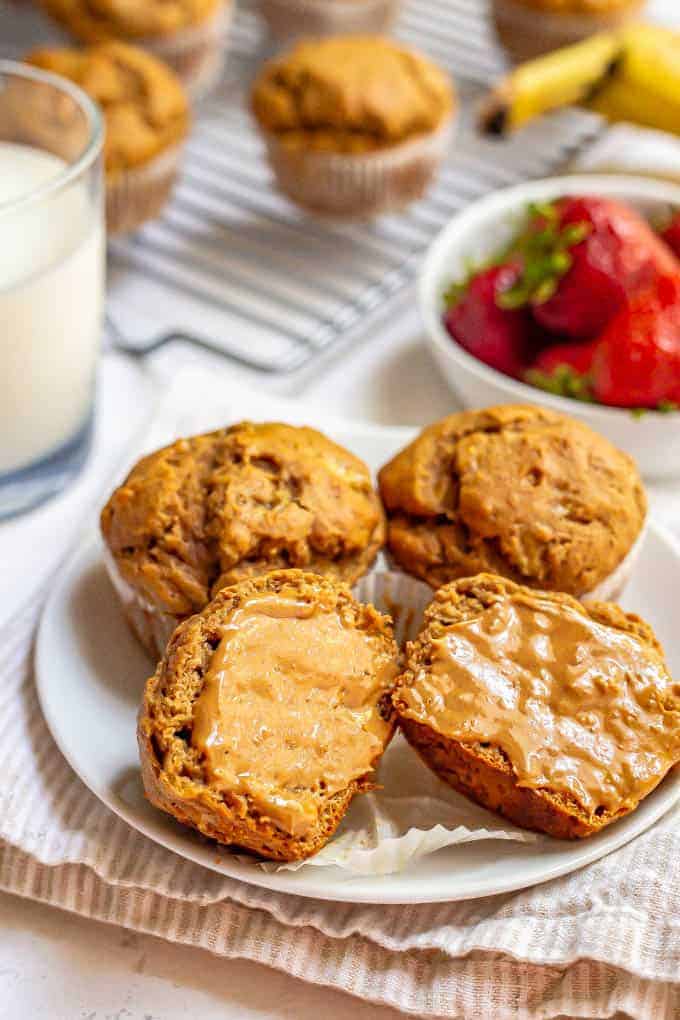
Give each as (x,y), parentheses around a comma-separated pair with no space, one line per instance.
(602,942)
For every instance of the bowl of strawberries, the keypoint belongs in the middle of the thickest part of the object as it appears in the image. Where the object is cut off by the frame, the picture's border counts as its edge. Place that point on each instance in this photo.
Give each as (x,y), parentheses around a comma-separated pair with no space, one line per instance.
(566,292)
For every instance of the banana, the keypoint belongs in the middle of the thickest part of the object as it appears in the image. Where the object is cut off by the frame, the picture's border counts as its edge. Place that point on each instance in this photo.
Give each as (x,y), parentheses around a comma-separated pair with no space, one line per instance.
(632,74)
(646,86)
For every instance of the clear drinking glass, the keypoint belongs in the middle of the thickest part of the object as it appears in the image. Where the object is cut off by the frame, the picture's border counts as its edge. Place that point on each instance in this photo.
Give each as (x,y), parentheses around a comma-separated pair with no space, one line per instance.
(52,269)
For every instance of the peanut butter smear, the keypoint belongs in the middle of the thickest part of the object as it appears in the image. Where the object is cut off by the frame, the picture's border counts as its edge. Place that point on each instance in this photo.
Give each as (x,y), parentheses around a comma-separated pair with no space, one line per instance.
(576,706)
(289,707)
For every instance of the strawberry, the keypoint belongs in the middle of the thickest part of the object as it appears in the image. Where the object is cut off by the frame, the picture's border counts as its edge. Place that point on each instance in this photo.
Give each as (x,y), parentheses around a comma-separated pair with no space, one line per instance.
(497,336)
(563,369)
(619,256)
(582,257)
(671,234)
(637,358)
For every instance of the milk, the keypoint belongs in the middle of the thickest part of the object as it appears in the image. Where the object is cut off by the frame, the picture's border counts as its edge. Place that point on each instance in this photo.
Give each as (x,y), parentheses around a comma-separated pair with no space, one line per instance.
(51,300)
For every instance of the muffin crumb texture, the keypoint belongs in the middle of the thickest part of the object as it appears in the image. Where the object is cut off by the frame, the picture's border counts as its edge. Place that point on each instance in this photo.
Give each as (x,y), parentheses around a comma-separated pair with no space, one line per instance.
(144,104)
(350,94)
(268,713)
(213,509)
(559,716)
(518,491)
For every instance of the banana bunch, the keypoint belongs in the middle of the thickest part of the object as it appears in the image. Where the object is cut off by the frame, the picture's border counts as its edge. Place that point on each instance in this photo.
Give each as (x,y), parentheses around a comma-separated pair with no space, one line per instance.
(630,75)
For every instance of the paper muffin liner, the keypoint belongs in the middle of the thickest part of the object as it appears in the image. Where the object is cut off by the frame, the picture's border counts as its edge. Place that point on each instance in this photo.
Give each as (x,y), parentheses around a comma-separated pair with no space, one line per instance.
(196,54)
(612,587)
(526,32)
(288,19)
(359,186)
(149,624)
(413,813)
(136,195)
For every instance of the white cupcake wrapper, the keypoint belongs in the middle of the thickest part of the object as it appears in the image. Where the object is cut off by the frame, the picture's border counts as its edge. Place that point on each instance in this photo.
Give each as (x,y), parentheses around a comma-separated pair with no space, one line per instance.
(363,185)
(527,32)
(151,625)
(136,195)
(289,19)
(197,54)
(612,587)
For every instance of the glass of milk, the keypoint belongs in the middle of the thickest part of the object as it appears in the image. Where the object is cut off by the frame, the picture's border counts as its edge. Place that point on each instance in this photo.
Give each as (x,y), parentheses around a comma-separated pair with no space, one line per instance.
(52,252)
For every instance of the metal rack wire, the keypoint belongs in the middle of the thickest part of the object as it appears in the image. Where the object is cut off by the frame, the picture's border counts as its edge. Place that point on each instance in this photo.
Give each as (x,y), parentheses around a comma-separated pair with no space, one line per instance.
(233,265)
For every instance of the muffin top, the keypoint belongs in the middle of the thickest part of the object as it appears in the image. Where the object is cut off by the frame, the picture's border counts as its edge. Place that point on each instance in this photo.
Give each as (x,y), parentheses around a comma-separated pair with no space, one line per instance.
(98,20)
(350,94)
(518,491)
(144,104)
(594,7)
(602,725)
(213,509)
(273,699)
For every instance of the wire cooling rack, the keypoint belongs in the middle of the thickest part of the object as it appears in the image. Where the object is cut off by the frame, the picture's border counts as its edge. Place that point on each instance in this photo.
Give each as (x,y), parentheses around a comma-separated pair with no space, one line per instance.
(232,264)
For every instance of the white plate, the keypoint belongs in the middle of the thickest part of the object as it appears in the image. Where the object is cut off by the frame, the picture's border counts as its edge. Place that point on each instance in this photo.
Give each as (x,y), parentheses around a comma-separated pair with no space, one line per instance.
(90,673)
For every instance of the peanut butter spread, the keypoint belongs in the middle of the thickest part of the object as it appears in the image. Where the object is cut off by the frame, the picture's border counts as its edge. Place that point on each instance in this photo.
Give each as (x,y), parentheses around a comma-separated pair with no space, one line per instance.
(144,105)
(518,491)
(100,20)
(289,707)
(577,706)
(350,94)
(212,509)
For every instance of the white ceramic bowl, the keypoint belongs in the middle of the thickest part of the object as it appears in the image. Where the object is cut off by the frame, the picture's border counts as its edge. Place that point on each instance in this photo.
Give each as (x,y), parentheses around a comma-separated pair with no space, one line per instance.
(480,230)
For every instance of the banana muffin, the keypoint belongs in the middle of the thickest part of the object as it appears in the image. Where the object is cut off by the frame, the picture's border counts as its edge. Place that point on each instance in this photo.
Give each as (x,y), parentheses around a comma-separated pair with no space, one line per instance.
(214,509)
(268,713)
(289,19)
(354,126)
(529,28)
(560,716)
(146,115)
(189,35)
(522,492)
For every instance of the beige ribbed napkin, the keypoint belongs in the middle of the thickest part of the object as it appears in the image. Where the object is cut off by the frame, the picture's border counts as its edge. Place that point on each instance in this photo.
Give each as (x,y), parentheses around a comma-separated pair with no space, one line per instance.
(600,943)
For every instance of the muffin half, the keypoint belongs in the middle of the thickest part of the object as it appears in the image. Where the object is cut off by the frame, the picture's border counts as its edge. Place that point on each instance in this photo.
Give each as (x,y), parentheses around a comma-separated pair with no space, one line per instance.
(213,509)
(355,126)
(562,717)
(146,116)
(522,492)
(268,713)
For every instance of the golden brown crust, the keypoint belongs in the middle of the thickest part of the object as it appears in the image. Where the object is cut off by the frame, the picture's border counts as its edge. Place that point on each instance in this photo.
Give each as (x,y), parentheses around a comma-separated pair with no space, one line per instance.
(173,770)
(350,94)
(519,491)
(94,21)
(484,772)
(213,509)
(145,107)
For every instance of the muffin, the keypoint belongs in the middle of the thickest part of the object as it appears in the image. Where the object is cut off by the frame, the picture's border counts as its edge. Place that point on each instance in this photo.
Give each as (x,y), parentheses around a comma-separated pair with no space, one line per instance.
(268,713)
(189,35)
(147,119)
(287,19)
(562,717)
(355,126)
(529,28)
(215,509)
(522,492)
